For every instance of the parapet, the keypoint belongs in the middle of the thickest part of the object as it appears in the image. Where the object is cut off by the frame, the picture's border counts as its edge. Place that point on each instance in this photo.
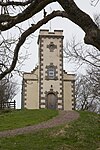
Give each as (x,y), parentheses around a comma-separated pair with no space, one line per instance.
(47,33)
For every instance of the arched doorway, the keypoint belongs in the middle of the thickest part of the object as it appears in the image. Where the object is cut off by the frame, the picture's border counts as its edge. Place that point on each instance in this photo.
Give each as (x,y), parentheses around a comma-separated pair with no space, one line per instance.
(51,101)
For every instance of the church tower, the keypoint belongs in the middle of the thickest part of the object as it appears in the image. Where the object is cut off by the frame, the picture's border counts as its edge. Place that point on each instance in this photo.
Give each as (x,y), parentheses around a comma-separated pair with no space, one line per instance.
(51,69)
(48,85)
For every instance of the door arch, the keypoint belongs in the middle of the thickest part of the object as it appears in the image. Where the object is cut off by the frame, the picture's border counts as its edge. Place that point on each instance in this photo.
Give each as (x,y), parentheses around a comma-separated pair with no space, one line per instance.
(51,101)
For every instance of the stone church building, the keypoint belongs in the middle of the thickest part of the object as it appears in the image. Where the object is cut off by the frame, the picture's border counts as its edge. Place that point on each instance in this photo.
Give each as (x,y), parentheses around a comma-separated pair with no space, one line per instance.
(48,85)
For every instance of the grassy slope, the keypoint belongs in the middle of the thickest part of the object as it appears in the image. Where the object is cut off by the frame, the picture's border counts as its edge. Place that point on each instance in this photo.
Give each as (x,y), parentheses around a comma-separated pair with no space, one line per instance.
(22,118)
(82,134)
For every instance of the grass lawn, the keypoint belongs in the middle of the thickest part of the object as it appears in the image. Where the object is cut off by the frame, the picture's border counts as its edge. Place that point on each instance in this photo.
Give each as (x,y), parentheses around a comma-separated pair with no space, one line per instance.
(21,118)
(82,134)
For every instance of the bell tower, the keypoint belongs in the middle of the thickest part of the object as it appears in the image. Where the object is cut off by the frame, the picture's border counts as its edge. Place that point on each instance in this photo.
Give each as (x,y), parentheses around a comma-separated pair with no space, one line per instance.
(51,69)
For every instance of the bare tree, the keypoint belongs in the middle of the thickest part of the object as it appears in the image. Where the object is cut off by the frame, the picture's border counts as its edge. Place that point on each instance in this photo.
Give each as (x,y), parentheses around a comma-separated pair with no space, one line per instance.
(15,13)
(8,90)
(88,91)
(82,93)
(80,53)
(94,79)
(88,85)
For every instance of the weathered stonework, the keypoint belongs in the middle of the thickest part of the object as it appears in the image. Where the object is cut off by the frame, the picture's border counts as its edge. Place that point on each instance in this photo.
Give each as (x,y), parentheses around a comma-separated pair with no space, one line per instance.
(48,85)
(52,46)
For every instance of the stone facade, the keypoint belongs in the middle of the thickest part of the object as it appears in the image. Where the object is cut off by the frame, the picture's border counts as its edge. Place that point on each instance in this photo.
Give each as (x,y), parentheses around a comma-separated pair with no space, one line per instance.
(48,85)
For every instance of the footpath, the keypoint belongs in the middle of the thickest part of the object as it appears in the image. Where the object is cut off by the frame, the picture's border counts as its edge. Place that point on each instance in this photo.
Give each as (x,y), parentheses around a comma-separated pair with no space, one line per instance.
(62,118)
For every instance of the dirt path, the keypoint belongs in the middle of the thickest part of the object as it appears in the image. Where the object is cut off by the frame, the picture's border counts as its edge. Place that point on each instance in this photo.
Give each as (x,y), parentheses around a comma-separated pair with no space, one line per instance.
(62,118)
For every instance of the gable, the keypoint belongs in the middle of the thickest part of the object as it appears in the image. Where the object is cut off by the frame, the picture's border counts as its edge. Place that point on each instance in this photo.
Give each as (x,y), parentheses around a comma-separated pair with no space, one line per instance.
(33,75)
(68,77)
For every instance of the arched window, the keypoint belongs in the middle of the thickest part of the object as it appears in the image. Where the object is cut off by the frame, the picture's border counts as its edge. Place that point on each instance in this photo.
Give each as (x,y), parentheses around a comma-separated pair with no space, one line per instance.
(51,72)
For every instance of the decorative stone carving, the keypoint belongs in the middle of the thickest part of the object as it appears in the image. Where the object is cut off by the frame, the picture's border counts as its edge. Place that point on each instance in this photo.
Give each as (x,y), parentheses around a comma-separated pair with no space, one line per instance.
(51,72)
(52,46)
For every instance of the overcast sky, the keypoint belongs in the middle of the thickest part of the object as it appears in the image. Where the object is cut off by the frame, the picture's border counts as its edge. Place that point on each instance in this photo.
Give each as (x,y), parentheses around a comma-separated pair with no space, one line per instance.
(69,30)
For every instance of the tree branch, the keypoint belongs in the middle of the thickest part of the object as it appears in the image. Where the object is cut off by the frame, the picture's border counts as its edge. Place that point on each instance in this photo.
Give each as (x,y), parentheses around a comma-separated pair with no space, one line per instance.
(35,7)
(72,12)
(8,3)
(26,34)
(84,21)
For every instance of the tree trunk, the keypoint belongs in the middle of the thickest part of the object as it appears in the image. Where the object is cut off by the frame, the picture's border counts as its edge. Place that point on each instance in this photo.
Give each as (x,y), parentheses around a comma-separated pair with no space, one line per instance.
(83,20)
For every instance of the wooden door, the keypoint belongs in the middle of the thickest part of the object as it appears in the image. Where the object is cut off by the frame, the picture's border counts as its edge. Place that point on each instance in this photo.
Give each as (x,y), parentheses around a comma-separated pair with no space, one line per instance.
(51,101)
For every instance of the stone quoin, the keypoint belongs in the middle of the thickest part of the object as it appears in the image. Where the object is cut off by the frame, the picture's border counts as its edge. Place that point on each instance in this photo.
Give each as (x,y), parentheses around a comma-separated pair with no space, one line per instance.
(48,85)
